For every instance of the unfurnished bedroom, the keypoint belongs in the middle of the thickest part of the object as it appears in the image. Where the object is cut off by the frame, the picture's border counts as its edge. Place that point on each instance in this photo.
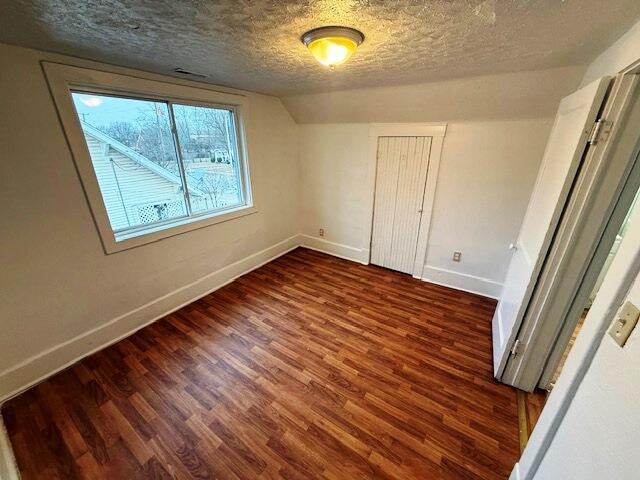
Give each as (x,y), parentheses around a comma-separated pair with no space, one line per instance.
(319,240)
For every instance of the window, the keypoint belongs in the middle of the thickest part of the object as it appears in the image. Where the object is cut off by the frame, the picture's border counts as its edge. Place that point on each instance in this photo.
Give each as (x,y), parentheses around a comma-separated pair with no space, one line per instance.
(155,158)
(160,163)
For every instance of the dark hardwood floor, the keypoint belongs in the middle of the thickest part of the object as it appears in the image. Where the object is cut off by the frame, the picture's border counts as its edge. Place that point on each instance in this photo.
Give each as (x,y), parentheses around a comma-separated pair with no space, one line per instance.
(309,367)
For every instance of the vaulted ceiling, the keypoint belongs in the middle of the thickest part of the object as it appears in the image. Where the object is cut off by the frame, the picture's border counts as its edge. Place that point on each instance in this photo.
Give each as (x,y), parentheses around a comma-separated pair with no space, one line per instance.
(254,44)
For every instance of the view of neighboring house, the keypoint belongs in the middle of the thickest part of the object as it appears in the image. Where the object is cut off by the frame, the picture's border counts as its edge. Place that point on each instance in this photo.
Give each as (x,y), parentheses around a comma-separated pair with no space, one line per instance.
(138,191)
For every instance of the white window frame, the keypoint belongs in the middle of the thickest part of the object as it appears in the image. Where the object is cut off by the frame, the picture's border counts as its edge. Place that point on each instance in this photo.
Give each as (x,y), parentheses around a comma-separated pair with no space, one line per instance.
(63,79)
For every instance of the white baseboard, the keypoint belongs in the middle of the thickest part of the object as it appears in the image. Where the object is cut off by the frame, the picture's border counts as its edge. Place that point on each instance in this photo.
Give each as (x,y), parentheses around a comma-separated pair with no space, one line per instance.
(45,364)
(448,278)
(8,466)
(37,368)
(462,281)
(336,249)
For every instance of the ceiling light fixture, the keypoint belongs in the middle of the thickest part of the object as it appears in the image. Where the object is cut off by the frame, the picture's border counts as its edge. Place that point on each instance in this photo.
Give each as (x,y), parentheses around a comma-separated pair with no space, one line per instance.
(332,46)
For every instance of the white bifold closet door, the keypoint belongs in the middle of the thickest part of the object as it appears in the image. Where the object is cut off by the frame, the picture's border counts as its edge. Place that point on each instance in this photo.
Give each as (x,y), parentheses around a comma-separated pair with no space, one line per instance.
(568,140)
(401,176)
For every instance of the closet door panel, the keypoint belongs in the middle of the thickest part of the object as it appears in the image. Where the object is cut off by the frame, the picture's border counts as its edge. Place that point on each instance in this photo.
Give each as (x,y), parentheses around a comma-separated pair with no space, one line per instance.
(400,181)
(411,181)
(385,198)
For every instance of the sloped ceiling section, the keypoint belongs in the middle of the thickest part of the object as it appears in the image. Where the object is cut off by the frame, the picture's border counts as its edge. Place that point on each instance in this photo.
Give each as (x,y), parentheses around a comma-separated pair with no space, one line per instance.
(254,44)
(505,96)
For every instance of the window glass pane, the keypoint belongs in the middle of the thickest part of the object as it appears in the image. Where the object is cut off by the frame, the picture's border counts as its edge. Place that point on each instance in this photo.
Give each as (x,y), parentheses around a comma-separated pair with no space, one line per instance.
(134,157)
(209,154)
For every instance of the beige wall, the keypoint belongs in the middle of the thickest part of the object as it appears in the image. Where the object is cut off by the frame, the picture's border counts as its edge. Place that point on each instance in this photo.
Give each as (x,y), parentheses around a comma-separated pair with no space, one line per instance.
(507,96)
(57,284)
(333,173)
(63,297)
(599,436)
(486,175)
(497,130)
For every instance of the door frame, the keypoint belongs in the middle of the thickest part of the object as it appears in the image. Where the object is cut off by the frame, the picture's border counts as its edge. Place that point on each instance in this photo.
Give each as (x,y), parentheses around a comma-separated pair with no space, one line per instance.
(582,236)
(376,130)
(623,271)
(531,258)
(627,189)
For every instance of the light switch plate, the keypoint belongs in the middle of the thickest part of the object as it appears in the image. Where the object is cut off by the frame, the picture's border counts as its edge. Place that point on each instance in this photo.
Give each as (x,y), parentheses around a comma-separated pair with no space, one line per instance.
(624,323)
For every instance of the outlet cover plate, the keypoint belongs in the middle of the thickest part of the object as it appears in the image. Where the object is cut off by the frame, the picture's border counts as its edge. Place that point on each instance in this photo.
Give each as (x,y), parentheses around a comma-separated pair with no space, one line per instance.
(624,323)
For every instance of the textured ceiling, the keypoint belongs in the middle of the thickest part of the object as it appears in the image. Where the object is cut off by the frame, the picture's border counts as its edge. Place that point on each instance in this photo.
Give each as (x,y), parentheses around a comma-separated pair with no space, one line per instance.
(255,44)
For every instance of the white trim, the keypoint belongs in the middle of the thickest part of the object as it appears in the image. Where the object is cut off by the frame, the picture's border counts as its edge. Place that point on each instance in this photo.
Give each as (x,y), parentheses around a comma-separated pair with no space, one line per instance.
(434,130)
(515,473)
(336,249)
(155,233)
(462,281)
(8,465)
(35,369)
(632,69)
(62,79)
(440,276)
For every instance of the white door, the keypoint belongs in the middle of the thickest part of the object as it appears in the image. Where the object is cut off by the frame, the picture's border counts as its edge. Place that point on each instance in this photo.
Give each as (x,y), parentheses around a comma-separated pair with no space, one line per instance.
(569,136)
(400,184)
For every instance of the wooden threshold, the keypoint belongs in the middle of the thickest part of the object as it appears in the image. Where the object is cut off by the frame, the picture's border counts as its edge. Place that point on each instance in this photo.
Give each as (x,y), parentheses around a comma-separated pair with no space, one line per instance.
(530,407)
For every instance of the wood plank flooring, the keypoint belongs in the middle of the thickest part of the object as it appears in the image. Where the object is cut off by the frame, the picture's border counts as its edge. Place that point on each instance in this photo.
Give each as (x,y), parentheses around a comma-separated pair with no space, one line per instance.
(309,367)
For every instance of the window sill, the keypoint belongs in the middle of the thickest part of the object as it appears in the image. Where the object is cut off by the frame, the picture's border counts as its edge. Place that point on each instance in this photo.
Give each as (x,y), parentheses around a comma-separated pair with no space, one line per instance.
(137,239)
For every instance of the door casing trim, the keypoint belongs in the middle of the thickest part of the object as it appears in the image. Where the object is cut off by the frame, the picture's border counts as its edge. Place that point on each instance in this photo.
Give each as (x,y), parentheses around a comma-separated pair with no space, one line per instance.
(437,132)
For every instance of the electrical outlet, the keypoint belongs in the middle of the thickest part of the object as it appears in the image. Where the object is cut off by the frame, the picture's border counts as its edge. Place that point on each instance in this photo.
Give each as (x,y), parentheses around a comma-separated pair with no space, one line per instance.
(321,232)
(457,256)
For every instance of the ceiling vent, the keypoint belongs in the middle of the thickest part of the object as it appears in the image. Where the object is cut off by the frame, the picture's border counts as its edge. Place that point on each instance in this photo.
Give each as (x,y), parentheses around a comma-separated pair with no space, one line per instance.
(182,71)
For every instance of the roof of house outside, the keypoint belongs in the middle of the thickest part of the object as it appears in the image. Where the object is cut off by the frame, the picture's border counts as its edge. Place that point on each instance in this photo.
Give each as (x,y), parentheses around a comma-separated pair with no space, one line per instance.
(137,157)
